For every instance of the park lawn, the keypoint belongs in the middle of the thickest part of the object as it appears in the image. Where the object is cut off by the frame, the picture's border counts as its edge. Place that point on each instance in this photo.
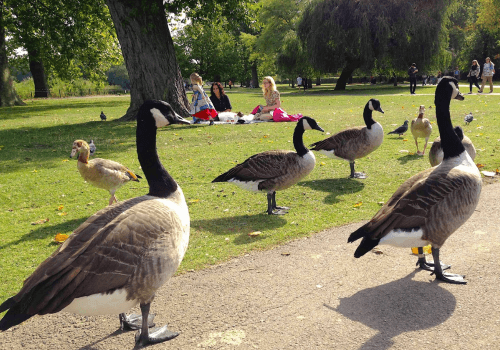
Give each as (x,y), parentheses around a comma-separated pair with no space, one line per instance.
(39,182)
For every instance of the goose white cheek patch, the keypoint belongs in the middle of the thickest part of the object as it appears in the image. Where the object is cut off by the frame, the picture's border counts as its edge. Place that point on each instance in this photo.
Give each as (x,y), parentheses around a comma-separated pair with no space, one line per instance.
(306,125)
(160,119)
(455,90)
(370,105)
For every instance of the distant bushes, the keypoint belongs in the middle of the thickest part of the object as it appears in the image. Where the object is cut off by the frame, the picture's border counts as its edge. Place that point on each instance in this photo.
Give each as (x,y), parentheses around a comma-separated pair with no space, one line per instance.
(59,88)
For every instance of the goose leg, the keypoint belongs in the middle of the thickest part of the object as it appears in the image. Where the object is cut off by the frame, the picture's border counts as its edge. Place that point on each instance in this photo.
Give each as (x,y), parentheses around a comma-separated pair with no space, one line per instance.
(425,265)
(158,335)
(274,203)
(416,143)
(425,145)
(446,277)
(271,205)
(354,174)
(134,321)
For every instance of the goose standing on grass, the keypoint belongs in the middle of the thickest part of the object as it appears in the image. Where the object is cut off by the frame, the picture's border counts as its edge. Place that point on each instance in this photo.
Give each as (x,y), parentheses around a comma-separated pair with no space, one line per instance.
(122,254)
(103,173)
(103,116)
(421,128)
(356,142)
(431,205)
(400,130)
(436,152)
(276,170)
(92,147)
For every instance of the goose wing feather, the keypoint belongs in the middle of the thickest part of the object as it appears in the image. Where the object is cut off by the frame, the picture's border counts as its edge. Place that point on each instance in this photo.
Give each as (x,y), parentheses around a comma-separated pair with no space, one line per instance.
(109,167)
(343,142)
(261,166)
(427,194)
(103,255)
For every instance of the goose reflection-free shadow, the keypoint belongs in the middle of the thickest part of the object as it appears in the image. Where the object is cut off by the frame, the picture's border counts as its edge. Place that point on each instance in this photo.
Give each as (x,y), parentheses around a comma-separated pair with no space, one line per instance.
(240,225)
(397,307)
(336,187)
(409,158)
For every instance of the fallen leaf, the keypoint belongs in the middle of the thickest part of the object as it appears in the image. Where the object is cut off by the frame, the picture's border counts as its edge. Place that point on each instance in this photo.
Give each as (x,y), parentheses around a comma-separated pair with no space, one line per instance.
(285,254)
(62,214)
(322,163)
(378,252)
(61,237)
(60,207)
(357,204)
(405,139)
(194,200)
(255,233)
(479,166)
(488,173)
(39,222)
(65,160)
(90,203)
(404,151)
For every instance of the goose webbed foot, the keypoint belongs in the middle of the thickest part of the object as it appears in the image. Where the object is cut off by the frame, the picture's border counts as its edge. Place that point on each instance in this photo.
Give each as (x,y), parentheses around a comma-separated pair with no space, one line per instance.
(355,175)
(134,321)
(429,266)
(272,208)
(445,277)
(157,335)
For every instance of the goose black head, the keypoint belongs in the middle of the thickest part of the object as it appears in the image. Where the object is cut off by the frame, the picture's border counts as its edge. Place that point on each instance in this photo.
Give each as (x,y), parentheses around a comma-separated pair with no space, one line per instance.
(374,105)
(460,132)
(448,89)
(309,123)
(162,113)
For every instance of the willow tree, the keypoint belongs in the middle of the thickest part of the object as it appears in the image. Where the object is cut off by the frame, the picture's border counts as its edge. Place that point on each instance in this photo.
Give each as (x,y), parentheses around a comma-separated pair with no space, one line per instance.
(350,34)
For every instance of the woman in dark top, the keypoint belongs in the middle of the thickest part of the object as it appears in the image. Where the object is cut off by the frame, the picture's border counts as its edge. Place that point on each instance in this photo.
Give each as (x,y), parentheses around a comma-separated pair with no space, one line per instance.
(219,98)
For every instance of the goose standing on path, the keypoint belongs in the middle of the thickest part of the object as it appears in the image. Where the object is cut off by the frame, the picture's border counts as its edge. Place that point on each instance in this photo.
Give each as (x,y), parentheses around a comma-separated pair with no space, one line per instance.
(421,128)
(431,205)
(121,255)
(103,173)
(400,130)
(276,170)
(436,152)
(355,142)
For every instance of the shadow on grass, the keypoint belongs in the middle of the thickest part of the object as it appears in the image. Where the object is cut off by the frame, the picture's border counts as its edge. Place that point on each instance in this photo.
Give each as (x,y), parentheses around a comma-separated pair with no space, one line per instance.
(397,307)
(336,187)
(409,158)
(44,230)
(241,225)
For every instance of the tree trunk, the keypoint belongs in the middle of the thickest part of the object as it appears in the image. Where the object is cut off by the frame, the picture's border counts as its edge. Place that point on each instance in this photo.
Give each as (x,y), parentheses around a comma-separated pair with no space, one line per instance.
(8,95)
(255,77)
(38,72)
(346,73)
(318,80)
(148,51)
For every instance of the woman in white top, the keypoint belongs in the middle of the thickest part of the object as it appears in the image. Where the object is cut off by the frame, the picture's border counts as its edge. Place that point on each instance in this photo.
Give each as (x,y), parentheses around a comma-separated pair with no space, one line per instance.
(488,72)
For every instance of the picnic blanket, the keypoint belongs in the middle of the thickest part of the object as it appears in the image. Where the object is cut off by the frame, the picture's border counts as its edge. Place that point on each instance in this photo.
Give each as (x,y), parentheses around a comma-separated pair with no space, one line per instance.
(279,115)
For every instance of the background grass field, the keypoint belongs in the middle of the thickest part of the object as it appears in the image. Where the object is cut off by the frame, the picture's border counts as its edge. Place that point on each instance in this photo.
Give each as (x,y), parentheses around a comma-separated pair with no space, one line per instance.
(38,181)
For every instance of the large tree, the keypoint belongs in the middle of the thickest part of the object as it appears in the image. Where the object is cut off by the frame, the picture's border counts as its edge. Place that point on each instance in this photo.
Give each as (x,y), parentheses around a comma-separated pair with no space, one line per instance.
(8,95)
(63,38)
(349,34)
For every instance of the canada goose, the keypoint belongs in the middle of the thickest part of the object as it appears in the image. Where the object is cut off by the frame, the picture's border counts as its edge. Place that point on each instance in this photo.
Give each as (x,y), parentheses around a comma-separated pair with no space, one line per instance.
(436,152)
(103,173)
(103,116)
(92,147)
(121,255)
(355,142)
(468,118)
(421,128)
(400,130)
(428,207)
(276,170)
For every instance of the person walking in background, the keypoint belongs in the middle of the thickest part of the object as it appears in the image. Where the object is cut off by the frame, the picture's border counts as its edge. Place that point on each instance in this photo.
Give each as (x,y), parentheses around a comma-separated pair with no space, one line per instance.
(488,73)
(201,107)
(230,84)
(456,73)
(219,98)
(412,72)
(473,75)
(299,82)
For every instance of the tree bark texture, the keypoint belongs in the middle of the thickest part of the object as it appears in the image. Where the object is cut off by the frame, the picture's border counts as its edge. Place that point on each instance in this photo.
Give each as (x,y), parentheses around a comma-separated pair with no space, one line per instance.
(8,95)
(148,51)
(38,72)
(346,73)
(255,77)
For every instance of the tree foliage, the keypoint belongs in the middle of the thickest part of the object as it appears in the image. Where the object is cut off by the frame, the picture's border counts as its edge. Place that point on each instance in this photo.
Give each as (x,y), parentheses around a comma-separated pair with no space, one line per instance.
(350,34)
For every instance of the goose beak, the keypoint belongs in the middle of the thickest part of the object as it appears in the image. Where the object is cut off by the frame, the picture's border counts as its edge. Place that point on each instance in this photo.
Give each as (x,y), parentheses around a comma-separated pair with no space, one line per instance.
(459,96)
(73,152)
(380,110)
(319,128)
(179,120)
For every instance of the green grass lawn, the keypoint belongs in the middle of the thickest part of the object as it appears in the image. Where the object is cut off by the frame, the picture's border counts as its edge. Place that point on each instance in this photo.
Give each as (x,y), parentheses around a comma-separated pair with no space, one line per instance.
(39,181)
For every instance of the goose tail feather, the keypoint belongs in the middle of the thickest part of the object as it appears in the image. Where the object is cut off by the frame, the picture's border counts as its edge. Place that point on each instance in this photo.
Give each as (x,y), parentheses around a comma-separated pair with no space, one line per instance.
(11,318)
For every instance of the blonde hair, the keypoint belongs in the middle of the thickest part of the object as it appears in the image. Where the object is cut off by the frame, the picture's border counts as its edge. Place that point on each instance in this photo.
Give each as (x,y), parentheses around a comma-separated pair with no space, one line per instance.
(268,91)
(196,78)
(475,61)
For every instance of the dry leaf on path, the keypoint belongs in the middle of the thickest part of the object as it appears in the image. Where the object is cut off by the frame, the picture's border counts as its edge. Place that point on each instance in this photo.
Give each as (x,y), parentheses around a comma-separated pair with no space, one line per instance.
(39,222)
